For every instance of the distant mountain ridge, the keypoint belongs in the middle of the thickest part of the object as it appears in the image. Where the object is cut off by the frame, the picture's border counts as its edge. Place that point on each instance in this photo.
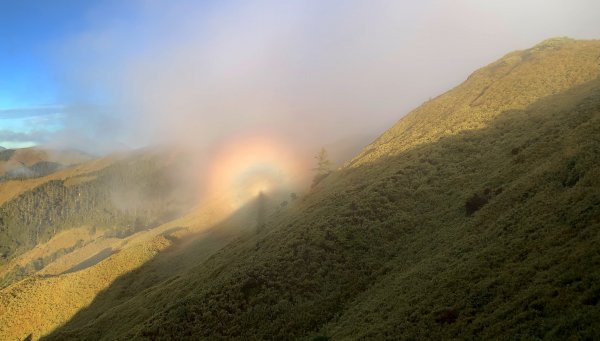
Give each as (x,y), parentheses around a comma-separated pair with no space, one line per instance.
(35,161)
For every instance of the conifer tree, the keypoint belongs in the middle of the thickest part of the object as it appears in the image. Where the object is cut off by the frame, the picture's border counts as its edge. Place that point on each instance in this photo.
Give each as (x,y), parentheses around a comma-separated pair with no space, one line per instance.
(323,166)
(323,163)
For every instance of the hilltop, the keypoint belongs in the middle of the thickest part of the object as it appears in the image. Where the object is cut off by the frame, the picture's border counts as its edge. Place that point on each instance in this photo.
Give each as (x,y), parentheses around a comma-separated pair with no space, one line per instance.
(514,82)
(34,162)
(475,216)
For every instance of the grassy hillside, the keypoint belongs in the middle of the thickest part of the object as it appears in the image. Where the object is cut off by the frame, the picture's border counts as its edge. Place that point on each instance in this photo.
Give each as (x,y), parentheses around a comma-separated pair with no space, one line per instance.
(42,304)
(515,81)
(476,216)
(62,290)
(115,197)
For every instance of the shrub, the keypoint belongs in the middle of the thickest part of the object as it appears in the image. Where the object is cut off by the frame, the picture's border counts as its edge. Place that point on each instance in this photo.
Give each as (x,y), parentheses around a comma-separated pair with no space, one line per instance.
(446,316)
(320,338)
(475,203)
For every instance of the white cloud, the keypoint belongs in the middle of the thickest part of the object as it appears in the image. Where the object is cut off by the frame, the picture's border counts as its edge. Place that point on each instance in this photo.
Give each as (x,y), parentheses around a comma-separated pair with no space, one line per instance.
(313,71)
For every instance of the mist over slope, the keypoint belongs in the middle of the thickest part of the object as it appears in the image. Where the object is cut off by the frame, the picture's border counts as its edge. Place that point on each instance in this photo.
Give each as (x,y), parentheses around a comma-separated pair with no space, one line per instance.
(475,216)
(112,197)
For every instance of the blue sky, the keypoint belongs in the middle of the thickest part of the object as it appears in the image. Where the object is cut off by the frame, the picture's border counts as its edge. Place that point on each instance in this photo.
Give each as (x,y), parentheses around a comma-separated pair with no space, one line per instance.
(32,102)
(27,28)
(98,75)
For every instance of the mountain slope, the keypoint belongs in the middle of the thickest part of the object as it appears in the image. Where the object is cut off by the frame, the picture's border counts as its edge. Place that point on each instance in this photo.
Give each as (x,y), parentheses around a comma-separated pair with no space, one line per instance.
(512,83)
(111,198)
(398,257)
(524,261)
(40,303)
(477,215)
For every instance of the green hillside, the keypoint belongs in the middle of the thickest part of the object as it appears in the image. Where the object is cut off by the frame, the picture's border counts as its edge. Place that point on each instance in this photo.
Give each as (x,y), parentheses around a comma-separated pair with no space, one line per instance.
(476,216)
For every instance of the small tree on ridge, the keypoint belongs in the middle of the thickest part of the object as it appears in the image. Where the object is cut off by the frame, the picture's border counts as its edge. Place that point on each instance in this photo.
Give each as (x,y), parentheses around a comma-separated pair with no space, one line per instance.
(323,166)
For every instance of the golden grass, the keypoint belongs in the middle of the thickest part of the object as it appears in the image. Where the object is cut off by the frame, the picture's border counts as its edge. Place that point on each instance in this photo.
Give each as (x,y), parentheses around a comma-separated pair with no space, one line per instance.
(38,305)
(41,303)
(64,239)
(74,258)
